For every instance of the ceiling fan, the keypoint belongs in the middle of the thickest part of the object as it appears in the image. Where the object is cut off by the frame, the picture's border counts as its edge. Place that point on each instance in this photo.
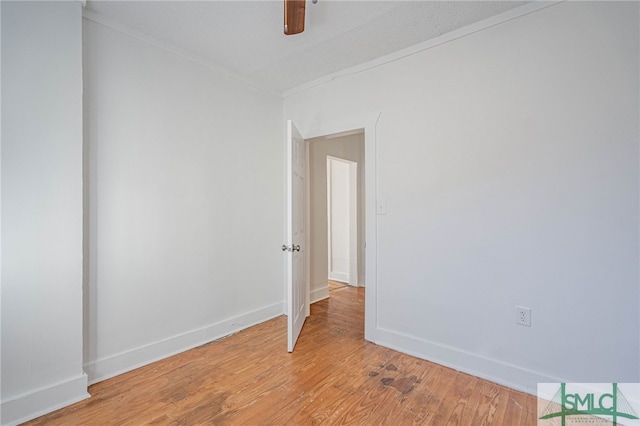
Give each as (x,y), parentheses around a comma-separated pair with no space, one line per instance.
(294,16)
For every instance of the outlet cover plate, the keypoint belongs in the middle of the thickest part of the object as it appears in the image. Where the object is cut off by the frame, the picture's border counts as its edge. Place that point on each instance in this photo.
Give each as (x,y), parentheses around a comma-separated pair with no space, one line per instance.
(523,316)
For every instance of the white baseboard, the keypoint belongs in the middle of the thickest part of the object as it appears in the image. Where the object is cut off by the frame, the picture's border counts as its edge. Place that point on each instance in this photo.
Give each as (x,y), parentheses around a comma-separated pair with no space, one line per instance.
(25,407)
(114,365)
(319,293)
(509,375)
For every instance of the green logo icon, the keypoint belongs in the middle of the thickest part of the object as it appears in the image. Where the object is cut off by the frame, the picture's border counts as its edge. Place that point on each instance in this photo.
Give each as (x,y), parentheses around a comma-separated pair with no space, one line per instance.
(582,402)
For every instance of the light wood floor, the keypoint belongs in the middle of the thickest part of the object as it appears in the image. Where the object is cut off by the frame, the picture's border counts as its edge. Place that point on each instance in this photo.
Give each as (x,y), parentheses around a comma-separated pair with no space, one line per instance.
(333,377)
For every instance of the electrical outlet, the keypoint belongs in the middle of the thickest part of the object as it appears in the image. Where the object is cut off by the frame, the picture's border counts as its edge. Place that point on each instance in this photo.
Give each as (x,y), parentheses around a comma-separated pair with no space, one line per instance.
(523,316)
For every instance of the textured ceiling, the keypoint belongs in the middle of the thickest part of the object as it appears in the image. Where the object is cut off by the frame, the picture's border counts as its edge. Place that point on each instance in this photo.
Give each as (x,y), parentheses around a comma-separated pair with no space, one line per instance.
(245,38)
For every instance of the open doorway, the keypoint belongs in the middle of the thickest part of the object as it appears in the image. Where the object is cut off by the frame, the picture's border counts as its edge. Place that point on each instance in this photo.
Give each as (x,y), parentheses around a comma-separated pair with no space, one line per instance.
(342,220)
(350,148)
(365,126)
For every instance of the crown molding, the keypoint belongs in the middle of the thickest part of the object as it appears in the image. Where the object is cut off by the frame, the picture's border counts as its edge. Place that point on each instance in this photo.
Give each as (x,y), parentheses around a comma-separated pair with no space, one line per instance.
(184,54)
(485,24)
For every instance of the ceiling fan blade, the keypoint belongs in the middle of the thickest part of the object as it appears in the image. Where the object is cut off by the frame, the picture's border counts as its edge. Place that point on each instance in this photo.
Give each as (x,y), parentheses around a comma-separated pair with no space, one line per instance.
(293,16)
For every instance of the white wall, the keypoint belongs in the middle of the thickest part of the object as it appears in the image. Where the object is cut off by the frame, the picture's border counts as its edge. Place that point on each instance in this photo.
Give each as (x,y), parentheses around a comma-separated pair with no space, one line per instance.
(349,147)
(185,200)
(41,208)
(508,160)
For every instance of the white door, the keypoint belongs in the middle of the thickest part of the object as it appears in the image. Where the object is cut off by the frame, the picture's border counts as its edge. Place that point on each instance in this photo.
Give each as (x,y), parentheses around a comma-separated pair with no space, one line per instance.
(297,301)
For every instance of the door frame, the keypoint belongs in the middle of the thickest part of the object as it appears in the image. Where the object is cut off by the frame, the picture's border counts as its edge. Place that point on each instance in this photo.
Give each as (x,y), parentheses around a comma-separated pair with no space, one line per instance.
(366,123)
(352,217)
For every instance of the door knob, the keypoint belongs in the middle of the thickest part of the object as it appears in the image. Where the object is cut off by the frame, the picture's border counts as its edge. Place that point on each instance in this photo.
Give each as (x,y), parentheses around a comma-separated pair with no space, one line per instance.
(296,248)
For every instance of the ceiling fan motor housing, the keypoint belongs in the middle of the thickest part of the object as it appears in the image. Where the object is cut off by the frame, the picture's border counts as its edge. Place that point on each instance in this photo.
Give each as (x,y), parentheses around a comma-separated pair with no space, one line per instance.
(294,16)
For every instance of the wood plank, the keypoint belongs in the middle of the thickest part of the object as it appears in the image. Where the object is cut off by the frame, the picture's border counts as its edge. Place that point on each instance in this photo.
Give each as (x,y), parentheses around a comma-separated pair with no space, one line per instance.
(333,377)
